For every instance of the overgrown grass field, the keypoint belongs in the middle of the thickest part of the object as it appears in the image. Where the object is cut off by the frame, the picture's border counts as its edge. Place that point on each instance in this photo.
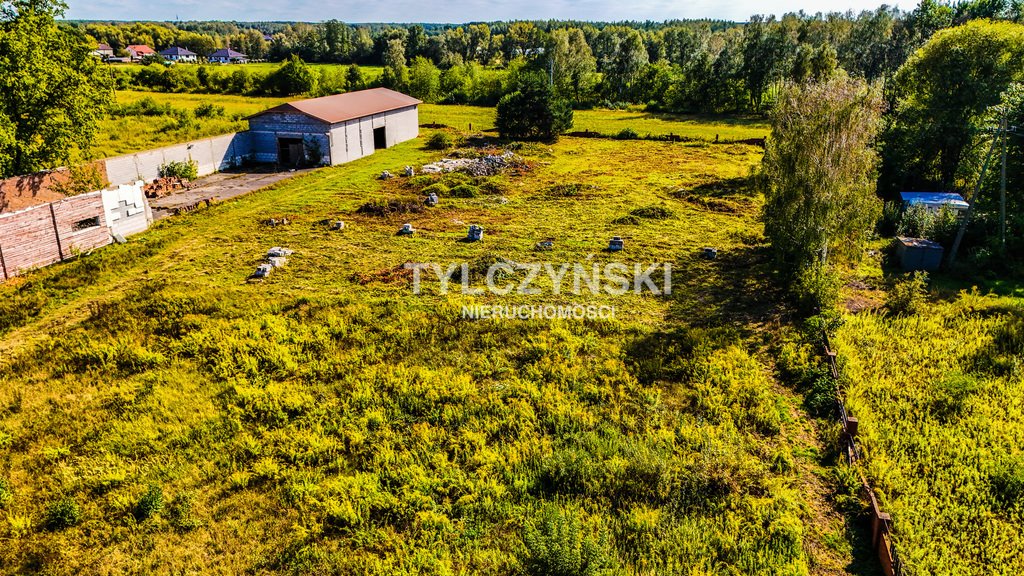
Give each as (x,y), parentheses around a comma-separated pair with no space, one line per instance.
(938,395)
(161,412)
(124,134)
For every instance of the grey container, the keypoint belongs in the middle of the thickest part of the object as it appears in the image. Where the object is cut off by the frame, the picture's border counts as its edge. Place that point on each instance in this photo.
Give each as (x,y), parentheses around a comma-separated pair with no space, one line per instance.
(918,254)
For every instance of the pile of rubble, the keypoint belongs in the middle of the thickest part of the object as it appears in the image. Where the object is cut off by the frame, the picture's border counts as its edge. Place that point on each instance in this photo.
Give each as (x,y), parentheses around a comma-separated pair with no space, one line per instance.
(482,166)
(165,186)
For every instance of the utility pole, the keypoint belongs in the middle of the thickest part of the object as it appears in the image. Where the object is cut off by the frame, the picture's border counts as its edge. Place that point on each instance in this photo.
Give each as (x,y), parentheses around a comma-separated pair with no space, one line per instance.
(970,205)
(1002,192)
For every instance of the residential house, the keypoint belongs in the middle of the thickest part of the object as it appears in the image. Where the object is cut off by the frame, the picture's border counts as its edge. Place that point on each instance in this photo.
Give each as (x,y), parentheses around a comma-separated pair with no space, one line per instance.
(103,51)
(176,54)
(139,51)
(228,56)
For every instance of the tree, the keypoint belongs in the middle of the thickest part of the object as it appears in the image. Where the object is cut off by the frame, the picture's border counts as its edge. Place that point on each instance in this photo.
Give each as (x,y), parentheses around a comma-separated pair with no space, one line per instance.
(532,112)
(943,94)
(572,65)
(424,79)
(292,77)
(52,91)
(818,175)
(354,78)
(396,74)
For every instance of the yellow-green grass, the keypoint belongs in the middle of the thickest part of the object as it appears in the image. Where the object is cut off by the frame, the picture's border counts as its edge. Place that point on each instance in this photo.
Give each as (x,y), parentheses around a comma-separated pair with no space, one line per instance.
(612,122)
(938,395)
(117,136)
(328,419)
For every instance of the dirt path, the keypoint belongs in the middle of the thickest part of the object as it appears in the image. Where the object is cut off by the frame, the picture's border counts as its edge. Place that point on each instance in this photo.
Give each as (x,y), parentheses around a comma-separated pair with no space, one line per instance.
(219,186)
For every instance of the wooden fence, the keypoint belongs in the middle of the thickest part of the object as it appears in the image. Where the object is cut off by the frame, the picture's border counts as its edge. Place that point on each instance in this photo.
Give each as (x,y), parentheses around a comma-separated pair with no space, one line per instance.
(881,522)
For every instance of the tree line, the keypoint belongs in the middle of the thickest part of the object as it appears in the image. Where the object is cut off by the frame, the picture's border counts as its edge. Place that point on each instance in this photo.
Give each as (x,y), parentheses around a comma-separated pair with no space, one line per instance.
(678,66)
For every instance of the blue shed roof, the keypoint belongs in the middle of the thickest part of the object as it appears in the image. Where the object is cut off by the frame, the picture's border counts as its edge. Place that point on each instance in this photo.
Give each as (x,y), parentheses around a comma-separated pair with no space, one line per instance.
(934,198)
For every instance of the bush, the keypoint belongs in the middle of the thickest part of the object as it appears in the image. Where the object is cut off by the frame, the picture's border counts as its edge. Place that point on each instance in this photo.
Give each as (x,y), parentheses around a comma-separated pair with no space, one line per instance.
(186,169)
(144,107)
(652,212)
(627,134)
(556,546)
(815,289)
(181,513)
(907,295)
(437,188)
(464,191)
(63,513)
(627,220)
(440,141)
(1008,482)
(150,503)
(209,110)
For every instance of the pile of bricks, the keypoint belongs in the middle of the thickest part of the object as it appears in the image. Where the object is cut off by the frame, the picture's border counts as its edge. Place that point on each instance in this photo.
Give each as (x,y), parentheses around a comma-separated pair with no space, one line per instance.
(165,186)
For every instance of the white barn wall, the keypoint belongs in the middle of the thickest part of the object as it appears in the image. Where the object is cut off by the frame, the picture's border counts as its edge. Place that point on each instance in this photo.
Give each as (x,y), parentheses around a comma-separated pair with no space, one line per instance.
(211,155)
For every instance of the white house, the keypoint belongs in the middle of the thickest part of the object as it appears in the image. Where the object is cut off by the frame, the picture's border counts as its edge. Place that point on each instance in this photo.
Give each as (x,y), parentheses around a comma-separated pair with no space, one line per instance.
(228,56)
(333,129)
(103,51)
(176,54)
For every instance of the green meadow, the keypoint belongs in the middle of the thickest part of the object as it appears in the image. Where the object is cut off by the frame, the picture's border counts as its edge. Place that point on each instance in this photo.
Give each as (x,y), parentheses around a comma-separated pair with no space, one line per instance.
(119,135)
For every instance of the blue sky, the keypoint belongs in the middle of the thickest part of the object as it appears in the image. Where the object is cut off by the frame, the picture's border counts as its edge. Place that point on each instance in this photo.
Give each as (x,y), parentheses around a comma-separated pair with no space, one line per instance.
(450,10)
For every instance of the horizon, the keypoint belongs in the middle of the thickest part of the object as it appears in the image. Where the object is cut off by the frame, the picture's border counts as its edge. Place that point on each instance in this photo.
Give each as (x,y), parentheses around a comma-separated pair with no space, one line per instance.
(455,12)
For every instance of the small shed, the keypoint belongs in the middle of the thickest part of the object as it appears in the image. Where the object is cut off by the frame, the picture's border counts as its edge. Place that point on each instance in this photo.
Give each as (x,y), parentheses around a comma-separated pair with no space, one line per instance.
(934,201)
(918,254)
(333,129)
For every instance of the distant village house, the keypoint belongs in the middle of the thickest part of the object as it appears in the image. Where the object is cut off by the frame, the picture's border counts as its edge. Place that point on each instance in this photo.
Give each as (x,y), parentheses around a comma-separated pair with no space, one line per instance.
(228,56)
(136,52)
(103,51)
(176,54)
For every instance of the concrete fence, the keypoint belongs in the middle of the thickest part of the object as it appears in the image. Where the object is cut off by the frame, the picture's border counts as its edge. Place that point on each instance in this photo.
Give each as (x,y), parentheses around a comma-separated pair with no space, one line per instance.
(881,522)
(48,233)
(211,155)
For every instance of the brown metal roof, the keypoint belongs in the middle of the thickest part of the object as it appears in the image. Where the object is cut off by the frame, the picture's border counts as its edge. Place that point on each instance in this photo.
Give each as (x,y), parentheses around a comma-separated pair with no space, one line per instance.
(348,106)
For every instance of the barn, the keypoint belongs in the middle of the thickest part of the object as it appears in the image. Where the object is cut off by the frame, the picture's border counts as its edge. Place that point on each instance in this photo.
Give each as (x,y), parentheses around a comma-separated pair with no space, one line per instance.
(333,129)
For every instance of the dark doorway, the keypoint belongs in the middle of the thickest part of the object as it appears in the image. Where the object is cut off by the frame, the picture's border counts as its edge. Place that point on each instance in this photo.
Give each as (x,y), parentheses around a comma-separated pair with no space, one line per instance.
(290,152)
(380,138)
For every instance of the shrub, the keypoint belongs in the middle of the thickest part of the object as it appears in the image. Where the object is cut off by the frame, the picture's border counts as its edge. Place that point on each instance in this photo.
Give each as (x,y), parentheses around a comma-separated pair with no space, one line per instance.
(455,178)
(144,107)
(464,191)
(556,546)
(566,190)
(1008,482)
(150,503)
(627,134)
(63,513)
(81,180)
(181,513)
(440,141)
(652,212)
(185,169)
(816,288)
(437,188)
(627,220)
(951,392)
(907,294)
(209,110)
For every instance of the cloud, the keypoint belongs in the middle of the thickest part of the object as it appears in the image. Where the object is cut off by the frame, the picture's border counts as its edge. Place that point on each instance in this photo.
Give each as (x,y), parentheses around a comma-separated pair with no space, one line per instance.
(453,11)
